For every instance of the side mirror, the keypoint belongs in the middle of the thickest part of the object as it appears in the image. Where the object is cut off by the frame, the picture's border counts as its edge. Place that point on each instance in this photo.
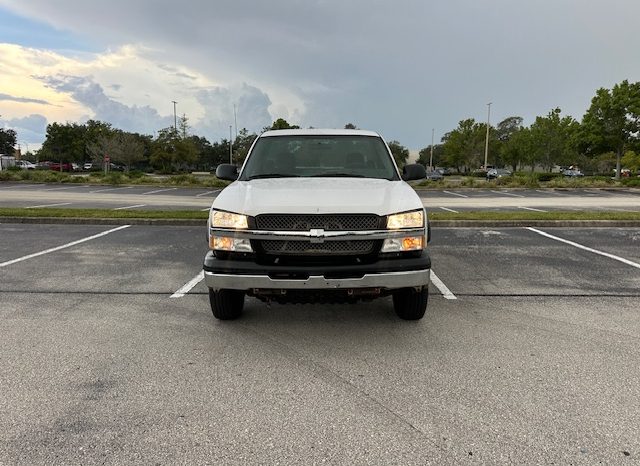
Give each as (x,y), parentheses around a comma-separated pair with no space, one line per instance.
(226,171)
(413,171)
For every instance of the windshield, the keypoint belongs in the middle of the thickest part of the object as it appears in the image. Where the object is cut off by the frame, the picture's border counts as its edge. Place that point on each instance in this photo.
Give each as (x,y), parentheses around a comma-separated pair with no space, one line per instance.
(319,156)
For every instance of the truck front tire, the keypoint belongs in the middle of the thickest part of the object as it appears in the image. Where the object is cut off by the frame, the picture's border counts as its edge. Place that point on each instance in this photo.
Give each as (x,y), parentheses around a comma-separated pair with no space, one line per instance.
(226,304)
(410,304)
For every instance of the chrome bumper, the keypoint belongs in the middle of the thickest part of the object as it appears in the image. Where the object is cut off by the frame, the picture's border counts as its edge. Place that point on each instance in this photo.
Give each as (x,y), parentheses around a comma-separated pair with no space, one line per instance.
(388,280)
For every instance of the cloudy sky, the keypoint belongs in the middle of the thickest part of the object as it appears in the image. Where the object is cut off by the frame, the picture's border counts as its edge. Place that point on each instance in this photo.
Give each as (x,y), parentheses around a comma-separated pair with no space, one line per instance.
(399,67)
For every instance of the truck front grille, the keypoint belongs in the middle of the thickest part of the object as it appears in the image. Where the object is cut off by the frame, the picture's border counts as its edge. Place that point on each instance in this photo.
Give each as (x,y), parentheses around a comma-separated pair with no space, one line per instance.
(327,222)
(328,248)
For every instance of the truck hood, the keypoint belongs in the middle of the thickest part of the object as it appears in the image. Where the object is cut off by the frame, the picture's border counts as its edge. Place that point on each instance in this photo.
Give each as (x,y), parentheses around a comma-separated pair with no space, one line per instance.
(317,196)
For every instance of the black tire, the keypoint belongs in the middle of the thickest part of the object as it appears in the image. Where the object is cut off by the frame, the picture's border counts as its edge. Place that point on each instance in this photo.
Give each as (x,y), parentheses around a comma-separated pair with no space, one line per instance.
(410,304)
(226,304)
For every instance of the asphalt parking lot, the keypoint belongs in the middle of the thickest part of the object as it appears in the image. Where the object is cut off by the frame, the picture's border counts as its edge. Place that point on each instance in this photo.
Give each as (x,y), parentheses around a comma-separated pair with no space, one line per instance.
(454,200)
(528,354)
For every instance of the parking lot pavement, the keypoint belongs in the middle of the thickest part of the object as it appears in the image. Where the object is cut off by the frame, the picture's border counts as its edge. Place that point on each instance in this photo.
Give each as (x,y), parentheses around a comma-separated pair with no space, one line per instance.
(534,362)
(183,198)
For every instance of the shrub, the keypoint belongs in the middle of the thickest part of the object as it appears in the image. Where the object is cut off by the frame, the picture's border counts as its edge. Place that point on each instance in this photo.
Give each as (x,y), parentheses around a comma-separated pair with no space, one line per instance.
(547,176)
(631,182)
(183,179)
(113,178)
(135,174)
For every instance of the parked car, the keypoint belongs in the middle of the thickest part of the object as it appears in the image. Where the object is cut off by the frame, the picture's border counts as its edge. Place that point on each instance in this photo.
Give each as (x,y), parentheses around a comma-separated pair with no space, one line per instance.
(572,173)
(434,176)
(61,167)
(25,165)
(87,166)
(495,173)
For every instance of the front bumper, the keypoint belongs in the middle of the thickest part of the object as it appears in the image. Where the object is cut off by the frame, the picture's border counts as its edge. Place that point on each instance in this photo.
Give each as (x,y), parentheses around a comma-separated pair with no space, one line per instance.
(384,274)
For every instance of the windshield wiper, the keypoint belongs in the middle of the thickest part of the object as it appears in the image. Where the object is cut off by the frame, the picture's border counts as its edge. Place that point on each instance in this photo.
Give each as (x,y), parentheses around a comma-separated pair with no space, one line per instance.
(272,175)
(338,175)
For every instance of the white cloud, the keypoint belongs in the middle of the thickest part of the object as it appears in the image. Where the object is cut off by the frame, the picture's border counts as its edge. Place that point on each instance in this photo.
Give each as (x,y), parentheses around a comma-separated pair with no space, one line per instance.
(30,129)
(125,87)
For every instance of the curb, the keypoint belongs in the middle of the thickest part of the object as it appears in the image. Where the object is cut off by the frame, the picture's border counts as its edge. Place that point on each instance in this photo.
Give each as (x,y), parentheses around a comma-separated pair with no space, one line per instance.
(434,223)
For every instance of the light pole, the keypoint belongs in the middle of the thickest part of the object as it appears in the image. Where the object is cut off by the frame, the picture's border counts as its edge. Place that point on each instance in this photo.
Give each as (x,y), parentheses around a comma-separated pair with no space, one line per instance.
(431,157)
(235,120)
(486,143)
(230,146)
(175,118)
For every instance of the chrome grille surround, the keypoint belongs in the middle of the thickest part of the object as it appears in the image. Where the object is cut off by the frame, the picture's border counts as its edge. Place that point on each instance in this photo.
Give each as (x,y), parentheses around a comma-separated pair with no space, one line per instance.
(327,222)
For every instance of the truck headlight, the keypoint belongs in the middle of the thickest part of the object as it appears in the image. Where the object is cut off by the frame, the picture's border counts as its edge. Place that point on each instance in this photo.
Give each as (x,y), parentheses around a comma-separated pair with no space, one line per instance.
(226,243)
(221,219)
(410,243)
(414,219)
(222,242)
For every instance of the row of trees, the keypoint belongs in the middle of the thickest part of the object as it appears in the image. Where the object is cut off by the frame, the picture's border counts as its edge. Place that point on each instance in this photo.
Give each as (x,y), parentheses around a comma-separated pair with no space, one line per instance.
(608,136)
(172,148)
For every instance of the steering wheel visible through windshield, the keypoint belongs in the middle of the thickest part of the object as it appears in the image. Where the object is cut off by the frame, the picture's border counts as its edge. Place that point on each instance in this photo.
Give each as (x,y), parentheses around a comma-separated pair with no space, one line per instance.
(319,156)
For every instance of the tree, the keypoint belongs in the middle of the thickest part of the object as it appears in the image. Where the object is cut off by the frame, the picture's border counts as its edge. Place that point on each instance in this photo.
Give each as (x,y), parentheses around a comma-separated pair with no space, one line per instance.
(280,123)
(350,126)
(163,149)
(464,146)
(438,155)
(8,139)
(242,144)
(508,127)
(171,152)
(612,122)
(64,143)
(514,144)
(631,160)
(400,153)
(517,149)
(553,140)
(123,148)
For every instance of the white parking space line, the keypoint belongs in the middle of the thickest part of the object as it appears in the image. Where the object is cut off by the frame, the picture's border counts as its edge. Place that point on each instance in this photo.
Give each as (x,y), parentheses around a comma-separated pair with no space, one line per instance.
(455,194)
(507,194)
(64,246)
(60,189)
(47,205)
(449,210)
(531,208)
(130,207)
(580,246)
(208,192)
(189,285)
(550,191)
(111,189)
(204,210)
(20,186)
(160,190)
(441,286)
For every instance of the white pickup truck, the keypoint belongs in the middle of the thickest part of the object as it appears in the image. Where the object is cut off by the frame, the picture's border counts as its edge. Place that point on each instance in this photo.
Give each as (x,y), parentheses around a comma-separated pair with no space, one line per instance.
(318,216)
